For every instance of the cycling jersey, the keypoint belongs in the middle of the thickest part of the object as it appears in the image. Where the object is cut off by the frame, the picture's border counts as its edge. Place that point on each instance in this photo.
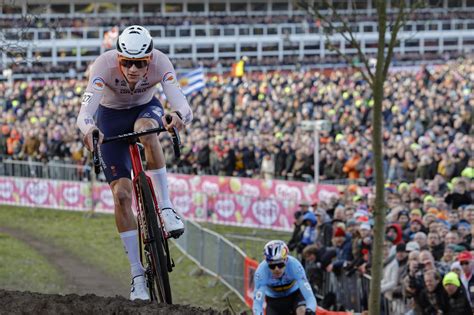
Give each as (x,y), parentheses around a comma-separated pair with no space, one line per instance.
(293,279)
(108,87)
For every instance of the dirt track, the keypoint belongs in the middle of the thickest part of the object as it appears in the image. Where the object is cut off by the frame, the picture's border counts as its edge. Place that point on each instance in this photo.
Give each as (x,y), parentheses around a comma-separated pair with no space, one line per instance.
(82,280)
(14,302)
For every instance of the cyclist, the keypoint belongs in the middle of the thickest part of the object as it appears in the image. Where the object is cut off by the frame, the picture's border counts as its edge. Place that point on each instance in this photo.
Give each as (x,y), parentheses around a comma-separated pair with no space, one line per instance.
(281,281)
(121,88)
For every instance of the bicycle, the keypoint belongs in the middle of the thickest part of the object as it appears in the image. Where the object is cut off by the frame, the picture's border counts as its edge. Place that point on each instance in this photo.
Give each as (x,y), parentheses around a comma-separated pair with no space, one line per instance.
(153,234)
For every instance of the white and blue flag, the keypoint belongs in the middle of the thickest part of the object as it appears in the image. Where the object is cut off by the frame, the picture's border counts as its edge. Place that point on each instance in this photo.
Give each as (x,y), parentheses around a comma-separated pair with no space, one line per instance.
(192,81)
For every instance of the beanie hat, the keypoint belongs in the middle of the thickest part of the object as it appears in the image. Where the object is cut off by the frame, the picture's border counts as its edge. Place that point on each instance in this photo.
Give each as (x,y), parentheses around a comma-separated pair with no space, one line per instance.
(339,232)
(451,278)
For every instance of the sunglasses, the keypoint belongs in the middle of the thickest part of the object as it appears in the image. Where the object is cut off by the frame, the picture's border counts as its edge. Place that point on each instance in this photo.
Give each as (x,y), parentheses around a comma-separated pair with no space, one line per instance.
(139,63)
(463,263)
(279,265)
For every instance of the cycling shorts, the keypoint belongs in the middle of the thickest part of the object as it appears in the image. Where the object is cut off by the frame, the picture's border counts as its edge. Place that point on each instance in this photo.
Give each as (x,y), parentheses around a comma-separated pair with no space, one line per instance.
(115,156)
(285,305)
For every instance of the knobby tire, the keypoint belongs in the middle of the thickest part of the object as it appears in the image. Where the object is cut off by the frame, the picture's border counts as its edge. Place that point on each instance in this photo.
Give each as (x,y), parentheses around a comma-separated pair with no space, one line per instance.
(157,244)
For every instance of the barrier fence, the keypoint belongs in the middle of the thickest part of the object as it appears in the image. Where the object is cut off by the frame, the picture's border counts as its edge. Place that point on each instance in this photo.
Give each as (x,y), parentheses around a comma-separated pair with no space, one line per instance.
(216,255)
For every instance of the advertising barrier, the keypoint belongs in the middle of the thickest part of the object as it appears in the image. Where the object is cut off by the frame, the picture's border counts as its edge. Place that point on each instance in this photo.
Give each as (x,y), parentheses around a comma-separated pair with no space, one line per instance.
(224,200)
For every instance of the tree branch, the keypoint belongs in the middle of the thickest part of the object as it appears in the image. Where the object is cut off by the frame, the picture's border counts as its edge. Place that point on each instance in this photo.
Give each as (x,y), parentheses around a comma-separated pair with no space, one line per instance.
(345,31)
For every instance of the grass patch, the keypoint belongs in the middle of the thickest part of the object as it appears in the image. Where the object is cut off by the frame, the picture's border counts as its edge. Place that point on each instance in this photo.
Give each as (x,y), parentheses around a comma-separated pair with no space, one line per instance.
(250,240)
(22,268)
(95,239)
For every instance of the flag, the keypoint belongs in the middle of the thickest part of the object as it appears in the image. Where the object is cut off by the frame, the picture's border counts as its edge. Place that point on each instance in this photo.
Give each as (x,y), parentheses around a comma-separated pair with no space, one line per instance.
(238,69)
(192,81)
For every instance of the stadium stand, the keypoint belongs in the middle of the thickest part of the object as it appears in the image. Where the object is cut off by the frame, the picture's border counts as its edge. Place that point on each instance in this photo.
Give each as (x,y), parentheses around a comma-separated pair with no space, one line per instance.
(251,126)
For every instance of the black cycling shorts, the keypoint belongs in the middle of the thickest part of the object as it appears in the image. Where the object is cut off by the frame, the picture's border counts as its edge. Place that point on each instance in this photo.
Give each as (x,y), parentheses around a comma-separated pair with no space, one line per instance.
(286,305)
(115,156)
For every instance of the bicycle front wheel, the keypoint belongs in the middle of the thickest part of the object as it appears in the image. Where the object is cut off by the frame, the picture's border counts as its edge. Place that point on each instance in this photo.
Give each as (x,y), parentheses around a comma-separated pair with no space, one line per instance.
(156,244)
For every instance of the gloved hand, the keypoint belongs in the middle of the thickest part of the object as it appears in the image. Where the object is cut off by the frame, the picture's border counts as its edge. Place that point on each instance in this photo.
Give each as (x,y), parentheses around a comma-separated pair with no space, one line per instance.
(309,312)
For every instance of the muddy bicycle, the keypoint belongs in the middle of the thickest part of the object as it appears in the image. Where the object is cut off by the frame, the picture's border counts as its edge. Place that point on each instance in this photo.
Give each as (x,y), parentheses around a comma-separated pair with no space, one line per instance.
(154,255)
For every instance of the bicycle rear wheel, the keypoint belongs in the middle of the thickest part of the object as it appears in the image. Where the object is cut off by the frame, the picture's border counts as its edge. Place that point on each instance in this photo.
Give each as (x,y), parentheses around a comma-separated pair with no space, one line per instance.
(156,244)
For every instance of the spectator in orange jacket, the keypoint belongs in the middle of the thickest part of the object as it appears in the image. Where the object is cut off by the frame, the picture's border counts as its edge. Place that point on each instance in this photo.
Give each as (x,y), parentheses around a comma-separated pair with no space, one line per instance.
(351,167)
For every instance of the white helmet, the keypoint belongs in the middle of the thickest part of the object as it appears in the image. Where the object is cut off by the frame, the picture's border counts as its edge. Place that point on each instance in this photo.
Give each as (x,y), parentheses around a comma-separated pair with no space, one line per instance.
(135,42)
(276,251)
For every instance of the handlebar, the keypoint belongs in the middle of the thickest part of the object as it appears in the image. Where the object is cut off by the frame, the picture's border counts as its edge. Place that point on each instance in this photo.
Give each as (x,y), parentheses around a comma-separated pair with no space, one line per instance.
(132,137)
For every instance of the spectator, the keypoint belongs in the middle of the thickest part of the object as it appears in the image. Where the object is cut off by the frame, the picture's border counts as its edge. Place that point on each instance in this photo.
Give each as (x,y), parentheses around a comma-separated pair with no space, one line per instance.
(457,298)
(435,246)
(431,298)
(467,278)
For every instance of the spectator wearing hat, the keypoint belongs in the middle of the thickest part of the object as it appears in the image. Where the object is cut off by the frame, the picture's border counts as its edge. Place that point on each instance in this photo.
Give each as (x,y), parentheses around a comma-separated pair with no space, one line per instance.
(361,245)
(343,245)
(309,232)
(457,298)
(465,259)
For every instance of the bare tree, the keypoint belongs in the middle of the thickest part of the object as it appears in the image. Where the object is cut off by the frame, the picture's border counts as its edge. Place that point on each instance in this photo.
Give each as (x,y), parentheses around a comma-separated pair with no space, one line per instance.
(332,22)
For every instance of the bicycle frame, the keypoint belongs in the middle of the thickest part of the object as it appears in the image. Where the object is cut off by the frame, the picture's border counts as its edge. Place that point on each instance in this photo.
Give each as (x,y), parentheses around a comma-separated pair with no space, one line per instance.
(137,168)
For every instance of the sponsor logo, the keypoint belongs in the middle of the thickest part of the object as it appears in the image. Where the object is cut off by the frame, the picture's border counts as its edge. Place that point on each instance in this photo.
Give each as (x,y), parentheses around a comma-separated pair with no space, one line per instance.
(250,190)
(37,192)
(107,198)
(285,192)
(225,208)
(259,295)
(266,211)
(210,188)
(6,190)
(169,78)
(98,84)
(182,203)
(178,185)
(158,111)
(71,194)
(88,121)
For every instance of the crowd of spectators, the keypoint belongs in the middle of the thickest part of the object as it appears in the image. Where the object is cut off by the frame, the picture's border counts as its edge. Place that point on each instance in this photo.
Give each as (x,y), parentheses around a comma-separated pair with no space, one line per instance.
(71,70)
(428,265)
(250,126)
(42,21)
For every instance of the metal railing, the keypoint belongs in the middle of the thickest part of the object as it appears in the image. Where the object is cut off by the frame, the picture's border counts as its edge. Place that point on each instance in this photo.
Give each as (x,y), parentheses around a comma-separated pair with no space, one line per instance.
(215,254)
(49,170)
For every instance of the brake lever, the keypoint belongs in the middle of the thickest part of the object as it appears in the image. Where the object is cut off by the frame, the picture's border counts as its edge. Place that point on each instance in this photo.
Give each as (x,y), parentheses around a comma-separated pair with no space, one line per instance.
(175,138)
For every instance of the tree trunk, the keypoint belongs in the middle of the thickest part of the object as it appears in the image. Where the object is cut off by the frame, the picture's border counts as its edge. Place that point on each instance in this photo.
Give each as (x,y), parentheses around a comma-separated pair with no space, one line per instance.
(379,207)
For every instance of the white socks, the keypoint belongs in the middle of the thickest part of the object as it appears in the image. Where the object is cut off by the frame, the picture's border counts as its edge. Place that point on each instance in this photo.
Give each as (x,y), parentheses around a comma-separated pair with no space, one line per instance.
(160,182)
(130,242)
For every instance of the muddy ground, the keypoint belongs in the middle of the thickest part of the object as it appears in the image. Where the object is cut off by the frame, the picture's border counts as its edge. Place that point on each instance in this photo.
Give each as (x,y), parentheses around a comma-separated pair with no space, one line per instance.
(82,280)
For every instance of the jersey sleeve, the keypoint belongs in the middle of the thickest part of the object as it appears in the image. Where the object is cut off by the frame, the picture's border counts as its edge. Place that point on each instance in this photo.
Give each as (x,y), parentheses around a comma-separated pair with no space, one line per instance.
(259,291)
(172,90)
(303,284)
(92,95)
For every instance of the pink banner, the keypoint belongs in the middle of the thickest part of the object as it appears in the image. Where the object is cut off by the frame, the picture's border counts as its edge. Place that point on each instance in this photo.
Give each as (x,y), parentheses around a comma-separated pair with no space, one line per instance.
(54,194)
(244,201)
(225,200)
